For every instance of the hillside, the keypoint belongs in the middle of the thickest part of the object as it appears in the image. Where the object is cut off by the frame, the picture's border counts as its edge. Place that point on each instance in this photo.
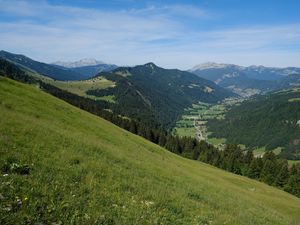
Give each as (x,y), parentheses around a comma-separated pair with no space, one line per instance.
(84,170)
(247,81)
(75,71)
(149,91)
(269,121)
(55,72)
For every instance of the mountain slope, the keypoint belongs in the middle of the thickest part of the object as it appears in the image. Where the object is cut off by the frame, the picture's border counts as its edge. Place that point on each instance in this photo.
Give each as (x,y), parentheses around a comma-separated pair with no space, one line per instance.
(148,91)
(264,121)
(55,72)
(246,81)
(84,170)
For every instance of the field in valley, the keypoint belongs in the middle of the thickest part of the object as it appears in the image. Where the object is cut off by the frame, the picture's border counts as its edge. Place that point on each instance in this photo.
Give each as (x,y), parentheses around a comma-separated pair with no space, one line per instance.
(196,117)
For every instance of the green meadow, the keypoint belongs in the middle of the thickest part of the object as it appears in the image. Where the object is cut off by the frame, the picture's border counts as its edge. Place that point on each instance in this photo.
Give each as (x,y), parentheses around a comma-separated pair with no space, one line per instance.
(201,112)
(62,165)
(80,87)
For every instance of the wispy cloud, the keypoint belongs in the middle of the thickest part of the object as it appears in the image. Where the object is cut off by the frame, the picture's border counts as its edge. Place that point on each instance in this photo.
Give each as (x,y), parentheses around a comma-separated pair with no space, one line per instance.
(133,36)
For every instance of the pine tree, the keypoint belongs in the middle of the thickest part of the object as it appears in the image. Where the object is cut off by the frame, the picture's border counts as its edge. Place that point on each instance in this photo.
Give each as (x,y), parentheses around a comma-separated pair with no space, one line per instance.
(254,169)
(293,183)
(268,172)
(283,175)
(162,139)
(248,157)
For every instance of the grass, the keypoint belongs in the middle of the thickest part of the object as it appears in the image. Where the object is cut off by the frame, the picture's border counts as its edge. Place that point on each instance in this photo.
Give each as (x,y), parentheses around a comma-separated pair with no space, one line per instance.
(108,98)
(185,131)
(292,162)
(85,170)
(216,141)
(294,100)
(259,152)
(80,87)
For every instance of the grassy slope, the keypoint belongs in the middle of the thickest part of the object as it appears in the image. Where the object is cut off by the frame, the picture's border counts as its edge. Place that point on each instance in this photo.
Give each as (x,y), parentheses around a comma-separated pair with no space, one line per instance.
(120,178)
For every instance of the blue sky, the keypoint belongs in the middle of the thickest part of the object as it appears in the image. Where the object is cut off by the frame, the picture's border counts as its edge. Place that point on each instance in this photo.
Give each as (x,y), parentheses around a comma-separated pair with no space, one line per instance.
(172,34)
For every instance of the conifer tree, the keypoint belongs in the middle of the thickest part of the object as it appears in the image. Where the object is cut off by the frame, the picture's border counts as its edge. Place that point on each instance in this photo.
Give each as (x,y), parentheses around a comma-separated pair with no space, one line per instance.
(254,169)
(283,175)
(268,172)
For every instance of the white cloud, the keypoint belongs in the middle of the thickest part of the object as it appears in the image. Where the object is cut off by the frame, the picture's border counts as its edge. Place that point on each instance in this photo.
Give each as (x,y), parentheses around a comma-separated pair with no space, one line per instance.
(49,32)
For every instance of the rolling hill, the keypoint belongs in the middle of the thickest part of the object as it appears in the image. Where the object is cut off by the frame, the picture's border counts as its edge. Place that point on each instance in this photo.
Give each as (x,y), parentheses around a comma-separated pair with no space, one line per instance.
(247,81)
(271,121)
(68,166)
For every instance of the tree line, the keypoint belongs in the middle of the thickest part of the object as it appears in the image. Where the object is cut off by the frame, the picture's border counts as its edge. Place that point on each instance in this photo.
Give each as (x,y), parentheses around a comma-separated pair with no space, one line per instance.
(269,169)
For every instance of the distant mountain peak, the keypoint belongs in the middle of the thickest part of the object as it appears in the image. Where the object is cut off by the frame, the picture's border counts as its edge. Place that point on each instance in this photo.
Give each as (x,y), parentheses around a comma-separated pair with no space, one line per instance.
(151,65)
(79,63)
(212,65)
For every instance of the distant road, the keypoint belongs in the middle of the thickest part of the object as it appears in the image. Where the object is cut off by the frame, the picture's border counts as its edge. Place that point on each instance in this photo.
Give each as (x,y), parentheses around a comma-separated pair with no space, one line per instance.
(199,135)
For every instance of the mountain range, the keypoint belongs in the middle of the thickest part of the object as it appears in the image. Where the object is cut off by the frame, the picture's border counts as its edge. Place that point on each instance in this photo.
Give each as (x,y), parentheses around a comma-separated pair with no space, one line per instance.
(147,92)
(247,81)
(80,70)
(244,81)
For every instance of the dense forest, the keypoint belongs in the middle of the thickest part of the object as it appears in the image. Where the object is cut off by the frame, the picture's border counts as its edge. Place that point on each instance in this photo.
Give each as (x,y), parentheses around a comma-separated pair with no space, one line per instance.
(269,169)
(268,120)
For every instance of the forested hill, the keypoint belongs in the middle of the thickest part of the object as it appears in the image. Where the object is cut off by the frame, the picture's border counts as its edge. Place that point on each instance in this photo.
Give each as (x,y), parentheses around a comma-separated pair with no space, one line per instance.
(150,91)
(271,120)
